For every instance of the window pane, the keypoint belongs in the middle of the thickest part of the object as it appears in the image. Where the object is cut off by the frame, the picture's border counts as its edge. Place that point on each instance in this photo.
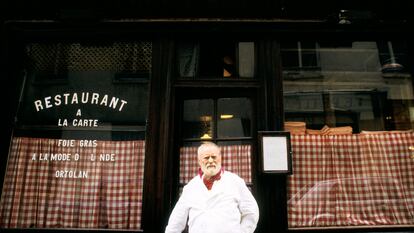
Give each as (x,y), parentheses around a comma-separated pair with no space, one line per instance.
(188,59)
(246,59)
(215,59)
(212,59)
(77,153)
(351,131)
(198,122)
(237,158)
(234,117)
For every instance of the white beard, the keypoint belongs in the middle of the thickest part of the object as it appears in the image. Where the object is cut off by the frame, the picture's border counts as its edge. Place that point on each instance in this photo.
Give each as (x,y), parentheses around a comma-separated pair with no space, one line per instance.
(211,171)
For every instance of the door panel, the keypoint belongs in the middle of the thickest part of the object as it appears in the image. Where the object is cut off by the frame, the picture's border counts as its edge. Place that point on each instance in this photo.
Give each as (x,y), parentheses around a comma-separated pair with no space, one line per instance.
(223,117)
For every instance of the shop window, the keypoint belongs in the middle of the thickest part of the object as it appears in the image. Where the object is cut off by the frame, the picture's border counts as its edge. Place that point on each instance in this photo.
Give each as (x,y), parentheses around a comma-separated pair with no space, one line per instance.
(76,158)
(351,135)
(215,60)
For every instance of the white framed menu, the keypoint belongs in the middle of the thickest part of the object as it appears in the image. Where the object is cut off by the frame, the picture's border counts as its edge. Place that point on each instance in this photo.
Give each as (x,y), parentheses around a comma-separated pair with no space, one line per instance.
(275,150)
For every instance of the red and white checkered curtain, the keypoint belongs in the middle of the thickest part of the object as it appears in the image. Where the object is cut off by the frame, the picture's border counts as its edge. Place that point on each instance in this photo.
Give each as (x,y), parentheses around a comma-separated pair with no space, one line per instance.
(235,158)
(110,197)
(351,180)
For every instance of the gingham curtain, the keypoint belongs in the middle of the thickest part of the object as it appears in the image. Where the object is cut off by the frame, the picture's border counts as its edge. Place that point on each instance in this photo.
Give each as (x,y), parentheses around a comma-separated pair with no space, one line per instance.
(351,180)
(235,158)
(110,197)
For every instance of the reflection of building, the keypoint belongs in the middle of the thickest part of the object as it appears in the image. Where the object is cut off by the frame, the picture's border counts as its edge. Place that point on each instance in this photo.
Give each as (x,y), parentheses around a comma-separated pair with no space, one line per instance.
(187,73)
(346,79)
(359,109)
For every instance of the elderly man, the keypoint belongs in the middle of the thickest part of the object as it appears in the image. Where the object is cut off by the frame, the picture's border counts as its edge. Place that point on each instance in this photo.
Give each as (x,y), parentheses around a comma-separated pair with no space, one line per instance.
(215,201)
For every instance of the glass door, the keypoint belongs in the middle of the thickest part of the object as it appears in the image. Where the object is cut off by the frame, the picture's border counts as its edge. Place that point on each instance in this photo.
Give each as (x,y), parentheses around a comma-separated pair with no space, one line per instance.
(225,120)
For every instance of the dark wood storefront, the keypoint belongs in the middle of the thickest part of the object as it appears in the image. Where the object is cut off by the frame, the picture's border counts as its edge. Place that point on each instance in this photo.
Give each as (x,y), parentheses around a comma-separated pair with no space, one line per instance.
(166,24)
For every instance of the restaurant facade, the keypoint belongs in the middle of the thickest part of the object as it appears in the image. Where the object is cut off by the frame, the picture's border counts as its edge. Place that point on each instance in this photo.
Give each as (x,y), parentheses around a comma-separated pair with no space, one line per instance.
(104,105)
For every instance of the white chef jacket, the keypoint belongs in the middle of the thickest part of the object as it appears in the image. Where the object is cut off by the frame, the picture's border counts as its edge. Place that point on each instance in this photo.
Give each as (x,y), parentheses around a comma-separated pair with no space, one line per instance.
(229,207)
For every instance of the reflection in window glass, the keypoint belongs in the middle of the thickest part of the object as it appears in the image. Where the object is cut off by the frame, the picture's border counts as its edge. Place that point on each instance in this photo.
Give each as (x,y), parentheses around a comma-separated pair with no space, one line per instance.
(366,84)
(299,55)
(349,108)
(187,58)
(246,58)
(198,122)
(77,154)
(234,117)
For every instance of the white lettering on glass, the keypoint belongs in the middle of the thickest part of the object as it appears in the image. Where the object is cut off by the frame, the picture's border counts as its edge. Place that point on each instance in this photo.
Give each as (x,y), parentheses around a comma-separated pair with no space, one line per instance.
(85,98)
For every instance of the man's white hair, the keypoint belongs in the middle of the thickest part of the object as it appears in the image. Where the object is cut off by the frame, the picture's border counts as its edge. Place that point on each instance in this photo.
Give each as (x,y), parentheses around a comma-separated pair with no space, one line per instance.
(207,145)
